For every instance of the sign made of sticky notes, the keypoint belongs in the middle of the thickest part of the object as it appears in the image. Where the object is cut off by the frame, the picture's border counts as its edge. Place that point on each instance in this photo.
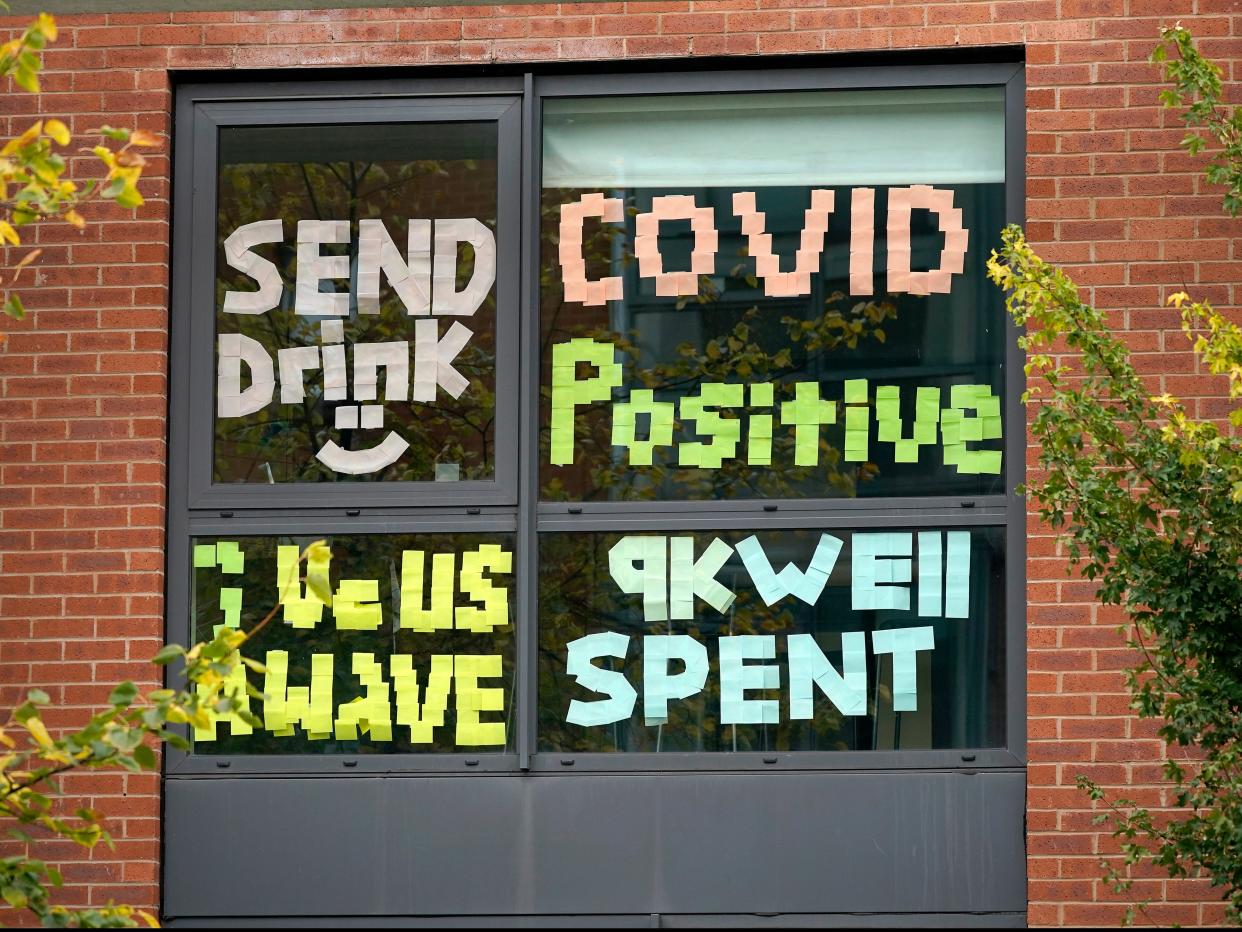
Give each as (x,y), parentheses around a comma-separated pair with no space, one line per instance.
(388,701)
(425,282)
(671,582)
(586,375)
(777,282)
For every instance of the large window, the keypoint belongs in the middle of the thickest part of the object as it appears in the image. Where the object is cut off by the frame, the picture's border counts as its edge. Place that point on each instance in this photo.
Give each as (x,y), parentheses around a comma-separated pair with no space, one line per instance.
(664,422)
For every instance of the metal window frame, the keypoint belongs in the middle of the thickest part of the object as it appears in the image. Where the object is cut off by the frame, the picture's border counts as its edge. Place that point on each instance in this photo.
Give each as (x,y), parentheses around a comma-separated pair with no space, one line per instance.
(195,510)
(198,312)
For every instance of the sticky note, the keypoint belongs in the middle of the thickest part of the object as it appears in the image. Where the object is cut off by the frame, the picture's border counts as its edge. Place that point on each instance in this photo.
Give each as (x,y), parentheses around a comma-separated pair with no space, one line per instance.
(690,577)
(230,604)
(421,718)
(621,695)
(957,575)
(659,686)
(471,700)
(807,412)
(370,713)
(415,612)
(481,589)
(204,556)
(638,564)
(566,397)
(871,575)
(659,433)
(230,557)
(725,433)
(904,644)
(234,686)
(808,665)
(930,570)
(736,677)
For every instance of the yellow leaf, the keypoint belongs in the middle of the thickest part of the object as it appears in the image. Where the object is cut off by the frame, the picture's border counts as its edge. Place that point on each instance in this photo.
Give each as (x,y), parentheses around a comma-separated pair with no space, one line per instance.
(58,131)
(47,24)
(75,219)
(140,137)
(23,140)
(39,731)
(8,743)
(106,154)
(8,234)
(149,919)
(29,258)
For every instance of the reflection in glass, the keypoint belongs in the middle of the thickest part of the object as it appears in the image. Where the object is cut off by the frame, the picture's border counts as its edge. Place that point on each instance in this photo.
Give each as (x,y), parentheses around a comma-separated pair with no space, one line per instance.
(960,697)
(251,583)
(396,174)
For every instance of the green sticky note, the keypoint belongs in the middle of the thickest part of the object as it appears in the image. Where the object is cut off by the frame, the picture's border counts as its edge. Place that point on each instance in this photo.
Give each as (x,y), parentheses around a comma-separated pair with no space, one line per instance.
(927,404)
(924,432)
(887,393)
(906,451)
(855,391)
(962,396)
(230,604)
(889,431)
(761,394)
(204,556)
(988,461)
(989,406)
(887,410)
(230,557)
(972,429)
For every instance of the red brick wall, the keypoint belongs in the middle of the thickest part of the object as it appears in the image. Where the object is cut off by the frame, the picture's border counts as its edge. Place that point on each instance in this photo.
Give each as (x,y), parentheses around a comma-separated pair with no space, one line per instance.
(82,381)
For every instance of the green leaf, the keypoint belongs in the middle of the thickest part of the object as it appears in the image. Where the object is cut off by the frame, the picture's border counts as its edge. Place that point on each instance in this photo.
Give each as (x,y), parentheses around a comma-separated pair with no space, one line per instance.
(129,198)
(123,695)
(167,654)
(26,79)
(38,697)
(13,306)
(145,757)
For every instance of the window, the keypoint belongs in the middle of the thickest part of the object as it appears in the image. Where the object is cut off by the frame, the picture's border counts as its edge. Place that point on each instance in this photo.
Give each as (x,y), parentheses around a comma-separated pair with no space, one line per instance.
(663,422)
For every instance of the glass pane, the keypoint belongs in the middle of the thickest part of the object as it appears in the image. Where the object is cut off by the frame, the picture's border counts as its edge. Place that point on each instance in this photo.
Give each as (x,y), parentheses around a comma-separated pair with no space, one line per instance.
(790,322)
(799,640)
(389,231)
(794,137)
(415,653)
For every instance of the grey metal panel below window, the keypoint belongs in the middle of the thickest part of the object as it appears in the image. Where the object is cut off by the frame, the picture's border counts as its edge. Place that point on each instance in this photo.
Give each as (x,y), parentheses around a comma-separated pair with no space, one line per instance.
(598,844)
(1006,920)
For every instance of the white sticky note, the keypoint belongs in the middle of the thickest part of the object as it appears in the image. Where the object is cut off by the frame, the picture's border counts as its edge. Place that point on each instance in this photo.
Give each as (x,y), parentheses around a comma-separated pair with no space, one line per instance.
(808,665)
(736,677)
(237,253)
(372,417)
(622,696)
(904,644)
(639,565)
(659,686)
(957,575)
(930,573)
(869,571)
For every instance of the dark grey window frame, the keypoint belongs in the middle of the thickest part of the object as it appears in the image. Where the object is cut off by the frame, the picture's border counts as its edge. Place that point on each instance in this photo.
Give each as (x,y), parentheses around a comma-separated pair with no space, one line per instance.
(364,508)
(208,118)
